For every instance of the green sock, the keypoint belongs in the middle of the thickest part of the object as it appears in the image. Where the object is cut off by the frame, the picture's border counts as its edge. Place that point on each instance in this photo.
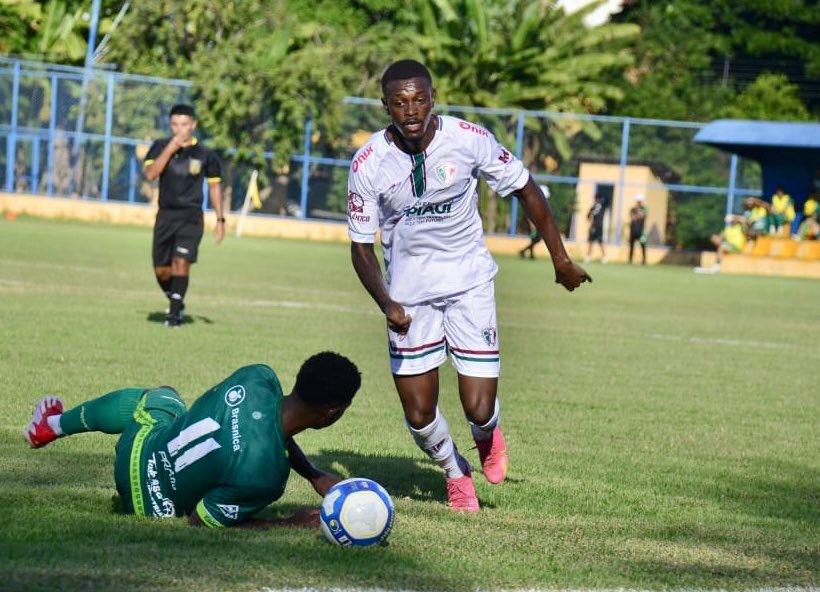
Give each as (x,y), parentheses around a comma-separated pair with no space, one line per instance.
(109,414)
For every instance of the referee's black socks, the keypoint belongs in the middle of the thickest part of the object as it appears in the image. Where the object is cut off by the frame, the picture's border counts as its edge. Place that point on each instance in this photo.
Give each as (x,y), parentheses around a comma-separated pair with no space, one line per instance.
(178,287)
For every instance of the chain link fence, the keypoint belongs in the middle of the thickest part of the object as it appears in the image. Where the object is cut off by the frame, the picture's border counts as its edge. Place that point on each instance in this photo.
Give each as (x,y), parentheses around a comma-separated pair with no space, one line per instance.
(77,133)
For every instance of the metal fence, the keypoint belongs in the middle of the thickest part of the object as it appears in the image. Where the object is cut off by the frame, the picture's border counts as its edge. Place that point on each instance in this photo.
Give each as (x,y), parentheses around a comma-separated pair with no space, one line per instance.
(82,133)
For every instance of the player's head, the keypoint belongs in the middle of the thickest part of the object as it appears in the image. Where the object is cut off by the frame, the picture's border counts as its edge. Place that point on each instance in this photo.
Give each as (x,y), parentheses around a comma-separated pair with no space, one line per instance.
(408,97)
(327,381)
(182,119)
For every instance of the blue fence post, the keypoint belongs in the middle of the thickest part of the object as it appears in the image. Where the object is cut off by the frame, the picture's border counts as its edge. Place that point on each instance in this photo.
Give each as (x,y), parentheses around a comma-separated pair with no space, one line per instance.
(132,175)
(519,150)
(52,127)
(35,164)
(305,169)
(621,178)
(109,115)
(11,139)
(730,196)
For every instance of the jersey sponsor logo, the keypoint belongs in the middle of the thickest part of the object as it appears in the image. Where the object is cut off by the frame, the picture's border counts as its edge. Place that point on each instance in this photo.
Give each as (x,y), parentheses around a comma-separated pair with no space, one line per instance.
(230,511)
(361,158)
(236,437)
(445,173)
(490,336)
(235,395)
(161,505)
(505,156)
(473,128)
(355,207)
(169,469)
(424,212)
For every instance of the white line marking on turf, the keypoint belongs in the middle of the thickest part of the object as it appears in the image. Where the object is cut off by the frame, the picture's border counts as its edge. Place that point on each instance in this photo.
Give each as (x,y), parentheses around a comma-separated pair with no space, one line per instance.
(783,589)
(722,341)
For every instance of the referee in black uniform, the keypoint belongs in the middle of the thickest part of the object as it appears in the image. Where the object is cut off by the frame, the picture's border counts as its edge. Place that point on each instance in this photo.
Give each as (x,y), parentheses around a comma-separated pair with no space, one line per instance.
(181,163)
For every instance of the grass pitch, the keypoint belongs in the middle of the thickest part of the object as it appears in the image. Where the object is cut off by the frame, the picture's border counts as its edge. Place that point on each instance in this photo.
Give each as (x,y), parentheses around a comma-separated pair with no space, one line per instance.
(663,426)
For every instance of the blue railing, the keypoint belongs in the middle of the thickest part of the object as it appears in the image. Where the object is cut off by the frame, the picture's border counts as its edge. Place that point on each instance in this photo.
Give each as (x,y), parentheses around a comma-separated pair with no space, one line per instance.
(68,117)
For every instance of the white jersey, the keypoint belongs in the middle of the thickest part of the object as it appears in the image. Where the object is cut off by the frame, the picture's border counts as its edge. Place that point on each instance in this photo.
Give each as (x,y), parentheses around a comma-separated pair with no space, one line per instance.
(426,206)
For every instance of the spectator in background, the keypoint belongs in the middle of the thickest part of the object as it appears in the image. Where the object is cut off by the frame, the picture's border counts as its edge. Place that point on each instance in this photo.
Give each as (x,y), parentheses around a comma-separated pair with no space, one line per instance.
(731,240)
(757,212)
(596,227)
(637,227)
(810,226)
(782,212)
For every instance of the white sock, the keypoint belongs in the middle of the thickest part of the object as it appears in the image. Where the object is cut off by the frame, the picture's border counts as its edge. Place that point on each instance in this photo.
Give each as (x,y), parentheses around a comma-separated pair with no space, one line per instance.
(485,432)
(435,440)
(53,422)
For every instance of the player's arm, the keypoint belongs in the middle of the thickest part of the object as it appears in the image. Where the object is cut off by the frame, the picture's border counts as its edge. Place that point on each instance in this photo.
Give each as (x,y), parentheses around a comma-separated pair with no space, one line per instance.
(370,275)
(299,462)
(568,274)
(215,195)
(154,168)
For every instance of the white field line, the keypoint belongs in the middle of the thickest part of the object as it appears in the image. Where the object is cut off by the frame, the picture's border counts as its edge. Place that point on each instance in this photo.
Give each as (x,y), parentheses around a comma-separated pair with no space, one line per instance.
(722,341)
(16,286)
(783,589)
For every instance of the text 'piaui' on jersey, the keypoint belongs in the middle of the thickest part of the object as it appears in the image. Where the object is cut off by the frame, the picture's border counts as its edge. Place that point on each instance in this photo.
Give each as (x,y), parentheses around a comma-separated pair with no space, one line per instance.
(426,206)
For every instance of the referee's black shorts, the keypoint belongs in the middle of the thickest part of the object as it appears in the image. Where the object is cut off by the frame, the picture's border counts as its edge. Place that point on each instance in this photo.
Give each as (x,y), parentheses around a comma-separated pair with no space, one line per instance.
(177,233)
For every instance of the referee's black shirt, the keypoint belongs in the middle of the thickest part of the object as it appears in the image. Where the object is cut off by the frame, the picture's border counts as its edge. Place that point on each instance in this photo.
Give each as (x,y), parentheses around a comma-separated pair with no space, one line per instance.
(180,184)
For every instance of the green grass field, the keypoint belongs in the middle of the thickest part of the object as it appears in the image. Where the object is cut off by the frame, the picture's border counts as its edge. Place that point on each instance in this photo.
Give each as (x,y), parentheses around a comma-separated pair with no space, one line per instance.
(664,426)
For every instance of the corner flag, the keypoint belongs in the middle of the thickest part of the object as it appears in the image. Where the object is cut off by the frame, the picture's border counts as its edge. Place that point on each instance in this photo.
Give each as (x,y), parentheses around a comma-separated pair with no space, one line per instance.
(251,196)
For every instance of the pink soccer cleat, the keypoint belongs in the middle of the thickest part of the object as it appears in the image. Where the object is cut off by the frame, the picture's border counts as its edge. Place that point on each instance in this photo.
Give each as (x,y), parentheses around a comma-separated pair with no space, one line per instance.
(461,494)
(38,433)
(493,455)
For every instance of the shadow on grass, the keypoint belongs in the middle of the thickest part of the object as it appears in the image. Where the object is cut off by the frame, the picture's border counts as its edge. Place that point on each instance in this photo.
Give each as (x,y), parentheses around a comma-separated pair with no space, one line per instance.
(159,318)
(415,478)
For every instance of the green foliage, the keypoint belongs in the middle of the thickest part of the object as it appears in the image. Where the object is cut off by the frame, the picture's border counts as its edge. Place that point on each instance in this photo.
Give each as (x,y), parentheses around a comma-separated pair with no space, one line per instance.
(770,97)
(56,30)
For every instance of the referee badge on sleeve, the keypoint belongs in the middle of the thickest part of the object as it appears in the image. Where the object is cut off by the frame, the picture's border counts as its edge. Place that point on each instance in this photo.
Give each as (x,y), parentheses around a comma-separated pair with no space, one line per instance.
(194,166)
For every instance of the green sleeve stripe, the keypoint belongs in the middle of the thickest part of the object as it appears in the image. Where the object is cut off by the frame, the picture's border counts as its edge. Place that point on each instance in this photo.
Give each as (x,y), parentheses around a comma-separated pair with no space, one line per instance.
(144,418)
(206,517)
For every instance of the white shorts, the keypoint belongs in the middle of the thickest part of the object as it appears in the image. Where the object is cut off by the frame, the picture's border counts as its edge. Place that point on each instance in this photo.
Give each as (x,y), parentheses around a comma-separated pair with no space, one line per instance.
(463,324)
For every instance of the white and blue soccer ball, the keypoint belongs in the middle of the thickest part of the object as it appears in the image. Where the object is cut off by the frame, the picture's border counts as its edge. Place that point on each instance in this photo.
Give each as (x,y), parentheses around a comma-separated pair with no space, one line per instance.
(357,512)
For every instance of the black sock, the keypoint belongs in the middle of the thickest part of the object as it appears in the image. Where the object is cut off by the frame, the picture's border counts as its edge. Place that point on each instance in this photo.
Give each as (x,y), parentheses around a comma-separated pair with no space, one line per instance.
(165,285)
(179,285)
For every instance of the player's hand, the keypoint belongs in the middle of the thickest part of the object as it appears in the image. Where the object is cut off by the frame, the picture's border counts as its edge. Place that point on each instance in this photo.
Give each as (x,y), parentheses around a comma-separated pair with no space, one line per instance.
(219,232)
(398,320)
(183,141)
(571,275)
(324,482)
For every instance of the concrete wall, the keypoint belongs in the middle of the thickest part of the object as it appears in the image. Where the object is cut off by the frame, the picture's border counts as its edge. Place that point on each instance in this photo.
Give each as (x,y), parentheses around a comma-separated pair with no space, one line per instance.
(281,227)
(636,178)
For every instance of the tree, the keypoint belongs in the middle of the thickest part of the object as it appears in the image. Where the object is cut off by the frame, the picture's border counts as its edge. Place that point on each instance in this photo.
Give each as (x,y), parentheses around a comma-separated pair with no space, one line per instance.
(521,54)
(770,97)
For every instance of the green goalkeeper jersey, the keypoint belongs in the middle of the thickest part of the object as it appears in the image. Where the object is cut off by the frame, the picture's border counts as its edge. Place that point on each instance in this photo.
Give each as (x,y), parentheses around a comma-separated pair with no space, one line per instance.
(225,458)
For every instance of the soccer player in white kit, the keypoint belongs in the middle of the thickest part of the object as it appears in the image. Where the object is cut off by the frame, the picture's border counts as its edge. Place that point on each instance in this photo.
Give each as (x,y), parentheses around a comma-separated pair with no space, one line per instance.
(416,182)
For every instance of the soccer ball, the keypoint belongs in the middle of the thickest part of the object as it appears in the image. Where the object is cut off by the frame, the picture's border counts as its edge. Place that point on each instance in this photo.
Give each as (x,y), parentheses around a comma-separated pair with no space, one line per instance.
(356,512)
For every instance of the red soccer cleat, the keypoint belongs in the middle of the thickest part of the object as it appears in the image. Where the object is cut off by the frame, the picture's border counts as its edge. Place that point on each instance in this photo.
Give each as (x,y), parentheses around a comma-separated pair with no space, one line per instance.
(38,433)
(461,494)
(493,455)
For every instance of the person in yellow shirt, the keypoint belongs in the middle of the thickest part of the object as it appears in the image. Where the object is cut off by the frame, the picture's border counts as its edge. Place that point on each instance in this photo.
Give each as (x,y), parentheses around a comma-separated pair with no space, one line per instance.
(782,211)
(731,240)
(757,214)
(810,226)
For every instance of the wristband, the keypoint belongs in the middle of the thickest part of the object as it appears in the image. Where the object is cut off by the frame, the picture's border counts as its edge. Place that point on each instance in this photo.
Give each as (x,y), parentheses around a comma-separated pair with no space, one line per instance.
(221,220)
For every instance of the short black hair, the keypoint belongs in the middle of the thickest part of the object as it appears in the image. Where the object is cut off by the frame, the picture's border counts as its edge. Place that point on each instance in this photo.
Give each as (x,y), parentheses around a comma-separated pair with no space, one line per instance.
(182,109)
(327,379)
(404,70)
